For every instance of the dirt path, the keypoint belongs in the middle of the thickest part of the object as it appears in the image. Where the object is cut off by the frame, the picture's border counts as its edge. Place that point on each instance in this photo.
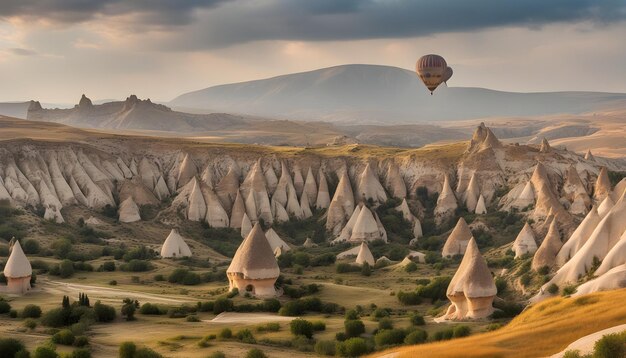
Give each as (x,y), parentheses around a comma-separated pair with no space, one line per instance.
(245,318)
(109,294)
(586,343)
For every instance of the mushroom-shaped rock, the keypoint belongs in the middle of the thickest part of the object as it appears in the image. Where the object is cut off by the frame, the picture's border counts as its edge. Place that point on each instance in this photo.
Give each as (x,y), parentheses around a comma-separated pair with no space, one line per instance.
(365,255)
(246,226)
(395,182)
(175,246)
(275,241)
(603,185)
(365,227)
(446,203)
(471,290)
(458,239)
(481,208)
(254,269)
(525,242)
(549,248)
(129,211)
(579,237)
(369,187)
(18,271)
(323,197)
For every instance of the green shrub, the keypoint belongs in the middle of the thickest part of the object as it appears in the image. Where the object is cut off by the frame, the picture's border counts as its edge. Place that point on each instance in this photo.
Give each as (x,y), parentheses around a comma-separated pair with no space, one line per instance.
(5,307)
(568,290)
(104,313)
(64,337)
(325,348)
(226,333)
(222,305)
(354,328)
(610,345)
(389,337)
(108,266)
(411,267)
(255,353)
(380,313)
(409,298)
(31,311)
(269,327)
(150,309)
(146,353)
(319,326)
(417,319)
(193,318)
(385,323)
(44,352)
(81,353)
(352,347)
(127,350)
(30,323)
(81,341)
(245,336)
(417,336)
(31,247)
(351,315)
(9,347)
(301,327)
(553,289)
(66,269)
(461,331)
(137,266)
(444,334)
(217,354)
(572,354)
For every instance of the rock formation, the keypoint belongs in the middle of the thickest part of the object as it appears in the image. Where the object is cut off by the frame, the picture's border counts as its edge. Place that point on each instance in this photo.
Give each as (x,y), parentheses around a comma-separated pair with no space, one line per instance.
(369,187)
(298,180)
(545,146)
(175,246)
(446,203)
(525,242)
(186,171)
(365,255)
(254,269)
(589,156)
(575,192)
(308,243)
(226,188)
(611,280)
(605,206)
(481,208)
(458,239)
(237,212)
(471,194)
(17,271)
(525,198)
(310,187)
(346,232)
(365,227)
(408,216)
(246,226)
(395,183)
(275,241)
(323,197)
(472,289)
(549,248)
(579,237)
(603,186)
(129,211)
(342,205)
(197,205)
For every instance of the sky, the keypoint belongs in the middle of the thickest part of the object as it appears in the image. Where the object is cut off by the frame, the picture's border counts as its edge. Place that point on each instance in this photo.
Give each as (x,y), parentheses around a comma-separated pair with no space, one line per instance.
(55,50)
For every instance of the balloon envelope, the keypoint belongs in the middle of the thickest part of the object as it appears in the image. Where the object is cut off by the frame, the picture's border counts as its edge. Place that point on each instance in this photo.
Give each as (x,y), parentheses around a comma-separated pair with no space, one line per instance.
(447,74)
(431,69)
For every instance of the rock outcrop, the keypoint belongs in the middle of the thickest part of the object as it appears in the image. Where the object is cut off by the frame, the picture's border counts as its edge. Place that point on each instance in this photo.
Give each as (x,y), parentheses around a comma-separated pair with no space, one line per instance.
(446,203)
(365,255)
(458,239)
(175,246)
(365,227)
(342,205)
(129,211)
(323,197)
(549,248)
(525,242)
(472,289)
(275,241)
(602,188)
(369,187)
(579,237)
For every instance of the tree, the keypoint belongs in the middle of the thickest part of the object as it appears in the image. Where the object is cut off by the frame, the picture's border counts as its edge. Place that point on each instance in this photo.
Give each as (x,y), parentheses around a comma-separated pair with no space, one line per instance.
(66,302)
(9,347)
(104,313)
(366,270)
(45,352)
(31,311)
(127,350)
(301,327)
(129,308)
(354,328)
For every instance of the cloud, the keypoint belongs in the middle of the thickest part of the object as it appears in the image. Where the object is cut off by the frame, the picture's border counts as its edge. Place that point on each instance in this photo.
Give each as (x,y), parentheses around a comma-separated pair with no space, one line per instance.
(208,24)
(23,52)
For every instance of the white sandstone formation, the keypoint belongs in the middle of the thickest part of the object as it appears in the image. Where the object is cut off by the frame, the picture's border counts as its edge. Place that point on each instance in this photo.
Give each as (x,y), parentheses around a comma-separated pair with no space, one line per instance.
(323,197)
(308,243)
(525,198)
(342,205)
(275,241)
(365,255)
(525,242)
(458,239)
(472,193)
(611,280)
(545,146)
(605,206)
(93,221)
(129,211)
(395,183)
(346,232)
(186,171)
(446,203)
(254,269)
(575,192)
(175,246)
(589,156)
(365,227)
(549,248)
(481,208)
(197,206)
(579,237)
(298,180)
(602,187)
(237,212)
(408,216)
(17,271)
(280,214)
(369,187)
(227,187)
(246,226)
(310,187)
(472,289)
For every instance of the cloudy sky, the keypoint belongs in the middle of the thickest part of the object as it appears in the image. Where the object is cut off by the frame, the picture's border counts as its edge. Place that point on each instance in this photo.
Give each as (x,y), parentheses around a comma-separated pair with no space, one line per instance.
(54,50)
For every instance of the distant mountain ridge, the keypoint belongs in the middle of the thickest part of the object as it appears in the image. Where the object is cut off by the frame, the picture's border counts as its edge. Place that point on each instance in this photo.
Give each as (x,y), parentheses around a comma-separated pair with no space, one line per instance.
(133,113)
(381,94)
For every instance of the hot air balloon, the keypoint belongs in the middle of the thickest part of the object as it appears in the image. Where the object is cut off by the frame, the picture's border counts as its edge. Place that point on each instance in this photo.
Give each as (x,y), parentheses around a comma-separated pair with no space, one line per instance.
(432,70)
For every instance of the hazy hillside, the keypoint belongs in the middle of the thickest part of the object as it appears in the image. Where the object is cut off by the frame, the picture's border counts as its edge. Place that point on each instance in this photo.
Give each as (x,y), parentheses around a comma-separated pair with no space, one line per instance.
(14,109)
(381,94)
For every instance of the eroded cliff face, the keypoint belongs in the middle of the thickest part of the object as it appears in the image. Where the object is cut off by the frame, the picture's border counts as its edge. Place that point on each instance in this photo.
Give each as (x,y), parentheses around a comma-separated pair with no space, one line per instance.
(204,180)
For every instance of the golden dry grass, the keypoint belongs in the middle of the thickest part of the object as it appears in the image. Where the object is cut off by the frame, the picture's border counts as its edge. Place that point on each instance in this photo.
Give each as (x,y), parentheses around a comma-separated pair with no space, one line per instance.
(542,330)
